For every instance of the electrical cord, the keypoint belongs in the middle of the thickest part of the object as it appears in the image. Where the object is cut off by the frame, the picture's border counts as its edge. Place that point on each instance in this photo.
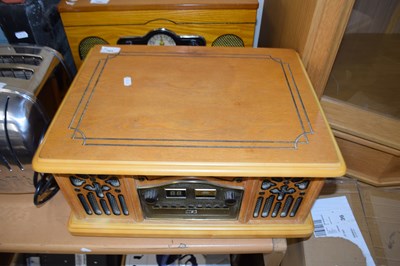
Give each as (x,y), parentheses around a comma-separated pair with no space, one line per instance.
(45,188)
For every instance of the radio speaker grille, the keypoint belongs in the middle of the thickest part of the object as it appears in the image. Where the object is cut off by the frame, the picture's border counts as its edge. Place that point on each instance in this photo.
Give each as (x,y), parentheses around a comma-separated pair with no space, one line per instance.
(100,194)
(86,44)
(228,40)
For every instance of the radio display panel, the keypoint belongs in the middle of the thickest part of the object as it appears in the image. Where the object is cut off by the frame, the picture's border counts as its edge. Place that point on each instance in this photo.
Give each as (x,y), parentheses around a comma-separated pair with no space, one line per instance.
(205,193)
(176,193)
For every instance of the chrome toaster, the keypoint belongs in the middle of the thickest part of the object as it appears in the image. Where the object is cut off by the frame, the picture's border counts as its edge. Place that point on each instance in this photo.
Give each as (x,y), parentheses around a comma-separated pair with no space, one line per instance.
(33,82)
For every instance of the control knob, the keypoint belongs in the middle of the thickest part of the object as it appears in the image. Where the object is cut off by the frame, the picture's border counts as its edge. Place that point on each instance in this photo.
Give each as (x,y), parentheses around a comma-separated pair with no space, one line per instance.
(230,198)
(150,196)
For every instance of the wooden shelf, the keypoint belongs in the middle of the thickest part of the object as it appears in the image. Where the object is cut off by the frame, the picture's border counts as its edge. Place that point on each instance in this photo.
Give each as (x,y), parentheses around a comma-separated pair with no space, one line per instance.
(25,228)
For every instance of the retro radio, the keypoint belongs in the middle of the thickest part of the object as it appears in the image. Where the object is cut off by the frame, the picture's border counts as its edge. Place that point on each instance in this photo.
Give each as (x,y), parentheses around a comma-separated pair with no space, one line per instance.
(190,141)
(155,22)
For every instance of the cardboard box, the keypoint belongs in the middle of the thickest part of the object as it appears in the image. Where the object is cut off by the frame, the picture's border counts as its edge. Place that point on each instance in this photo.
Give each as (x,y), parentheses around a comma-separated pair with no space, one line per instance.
(377,212)
(323,251)
(382,214)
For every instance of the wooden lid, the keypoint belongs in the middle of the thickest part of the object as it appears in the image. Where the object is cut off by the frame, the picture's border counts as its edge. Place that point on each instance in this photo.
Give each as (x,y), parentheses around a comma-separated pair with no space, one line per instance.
(191,111)
(87,6)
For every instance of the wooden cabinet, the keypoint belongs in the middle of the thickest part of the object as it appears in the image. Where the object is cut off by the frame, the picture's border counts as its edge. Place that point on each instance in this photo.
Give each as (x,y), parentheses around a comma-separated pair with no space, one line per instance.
(350,51)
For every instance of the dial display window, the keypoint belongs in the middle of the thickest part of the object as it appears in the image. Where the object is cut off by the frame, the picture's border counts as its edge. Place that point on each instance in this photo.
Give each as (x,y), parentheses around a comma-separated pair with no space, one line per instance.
(161,40)
(205,193)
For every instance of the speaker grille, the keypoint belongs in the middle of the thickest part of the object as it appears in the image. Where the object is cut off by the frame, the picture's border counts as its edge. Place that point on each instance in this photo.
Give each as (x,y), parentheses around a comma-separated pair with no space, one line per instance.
(87,44)
(229,40)
(100,194)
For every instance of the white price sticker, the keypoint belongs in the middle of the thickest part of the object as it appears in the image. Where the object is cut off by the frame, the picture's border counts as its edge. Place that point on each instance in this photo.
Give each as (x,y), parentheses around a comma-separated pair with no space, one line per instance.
(127,81)
(110,50)
(99,1)
(21,35)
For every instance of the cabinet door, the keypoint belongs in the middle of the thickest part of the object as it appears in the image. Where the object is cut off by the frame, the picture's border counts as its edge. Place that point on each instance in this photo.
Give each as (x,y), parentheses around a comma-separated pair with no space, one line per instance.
(314,28)
(350,51)
(362,94)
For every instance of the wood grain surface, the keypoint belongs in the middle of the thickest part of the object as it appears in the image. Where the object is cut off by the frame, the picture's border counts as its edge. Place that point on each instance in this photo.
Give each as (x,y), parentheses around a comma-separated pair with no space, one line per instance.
(191,111)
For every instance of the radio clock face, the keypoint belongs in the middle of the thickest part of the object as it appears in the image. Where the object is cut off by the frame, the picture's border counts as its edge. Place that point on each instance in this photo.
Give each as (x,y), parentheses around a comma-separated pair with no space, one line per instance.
(161,40)
(163,37)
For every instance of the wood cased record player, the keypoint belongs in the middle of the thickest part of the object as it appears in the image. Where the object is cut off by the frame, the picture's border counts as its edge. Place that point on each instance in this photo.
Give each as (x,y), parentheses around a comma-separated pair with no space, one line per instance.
(190,142)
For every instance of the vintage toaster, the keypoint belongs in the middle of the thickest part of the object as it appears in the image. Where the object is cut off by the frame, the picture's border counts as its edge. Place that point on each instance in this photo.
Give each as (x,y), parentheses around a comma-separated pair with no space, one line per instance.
(32,85)
(190,142)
